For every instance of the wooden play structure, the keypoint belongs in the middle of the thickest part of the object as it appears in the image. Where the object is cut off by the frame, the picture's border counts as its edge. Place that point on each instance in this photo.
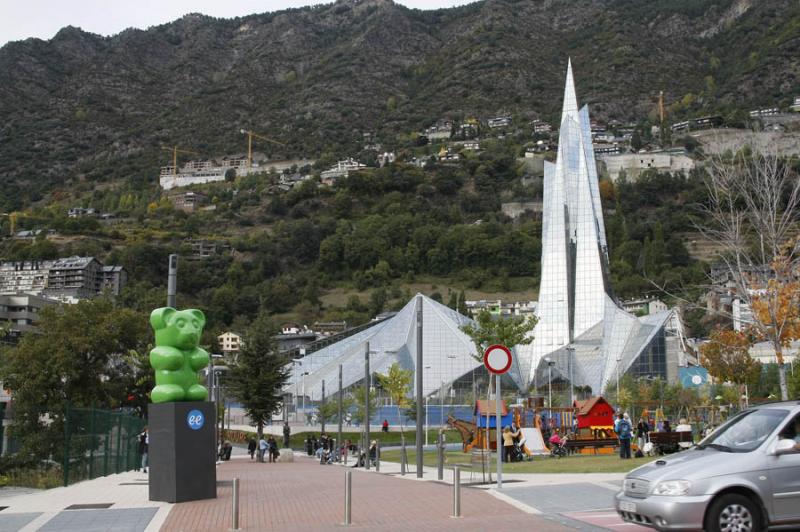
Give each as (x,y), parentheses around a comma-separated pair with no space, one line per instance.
(594,432)
(589,426)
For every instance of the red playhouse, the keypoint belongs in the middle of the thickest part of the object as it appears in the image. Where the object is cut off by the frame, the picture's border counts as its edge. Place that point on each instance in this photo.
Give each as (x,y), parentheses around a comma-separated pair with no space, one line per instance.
(595,418)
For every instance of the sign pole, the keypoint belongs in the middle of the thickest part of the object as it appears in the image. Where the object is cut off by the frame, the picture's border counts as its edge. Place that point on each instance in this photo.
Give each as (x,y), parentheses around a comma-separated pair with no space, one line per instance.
(497,359)
(498,429)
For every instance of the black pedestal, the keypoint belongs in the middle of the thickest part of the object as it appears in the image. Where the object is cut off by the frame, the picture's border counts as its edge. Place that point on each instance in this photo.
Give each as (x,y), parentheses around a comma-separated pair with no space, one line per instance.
(182,453)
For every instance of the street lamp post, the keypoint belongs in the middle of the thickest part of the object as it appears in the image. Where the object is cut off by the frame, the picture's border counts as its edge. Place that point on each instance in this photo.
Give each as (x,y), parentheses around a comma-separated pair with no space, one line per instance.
(419,392)
(304,396)
(426,421)
(296,362)
(550,364)
(367,383)
(426,414)
(570,354)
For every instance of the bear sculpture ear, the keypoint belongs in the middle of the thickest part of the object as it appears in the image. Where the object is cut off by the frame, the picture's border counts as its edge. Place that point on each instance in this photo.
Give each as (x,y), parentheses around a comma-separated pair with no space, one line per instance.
(199,315)
(160,316)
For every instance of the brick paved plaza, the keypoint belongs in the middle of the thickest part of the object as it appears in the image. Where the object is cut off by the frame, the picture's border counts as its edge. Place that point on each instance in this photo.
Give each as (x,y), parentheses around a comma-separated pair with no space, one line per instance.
(307,496)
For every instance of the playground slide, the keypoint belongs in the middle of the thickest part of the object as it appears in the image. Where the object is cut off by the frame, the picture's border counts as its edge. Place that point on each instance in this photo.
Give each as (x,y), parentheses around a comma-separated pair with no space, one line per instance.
(532,442)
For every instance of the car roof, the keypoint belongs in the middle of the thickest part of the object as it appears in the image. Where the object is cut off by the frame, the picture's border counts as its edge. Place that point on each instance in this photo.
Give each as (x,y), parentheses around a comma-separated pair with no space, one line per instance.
(792,405)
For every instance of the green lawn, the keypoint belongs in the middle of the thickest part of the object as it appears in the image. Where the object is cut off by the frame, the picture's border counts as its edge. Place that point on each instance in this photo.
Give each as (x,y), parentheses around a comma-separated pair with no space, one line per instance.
(569,464)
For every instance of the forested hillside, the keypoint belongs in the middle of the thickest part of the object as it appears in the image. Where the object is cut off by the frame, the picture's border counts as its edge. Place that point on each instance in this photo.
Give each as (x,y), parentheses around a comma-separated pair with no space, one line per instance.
(80,109)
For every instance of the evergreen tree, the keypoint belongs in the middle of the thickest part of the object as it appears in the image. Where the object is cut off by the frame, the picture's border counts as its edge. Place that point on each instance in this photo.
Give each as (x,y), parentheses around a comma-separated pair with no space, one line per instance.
(259,374)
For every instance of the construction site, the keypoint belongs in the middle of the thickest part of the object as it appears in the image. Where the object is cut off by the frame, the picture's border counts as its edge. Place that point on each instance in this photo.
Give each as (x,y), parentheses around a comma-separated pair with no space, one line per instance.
(208,170)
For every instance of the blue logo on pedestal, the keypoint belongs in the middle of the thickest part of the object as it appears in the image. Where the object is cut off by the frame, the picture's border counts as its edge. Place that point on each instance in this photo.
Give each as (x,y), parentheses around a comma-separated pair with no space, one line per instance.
(195,419)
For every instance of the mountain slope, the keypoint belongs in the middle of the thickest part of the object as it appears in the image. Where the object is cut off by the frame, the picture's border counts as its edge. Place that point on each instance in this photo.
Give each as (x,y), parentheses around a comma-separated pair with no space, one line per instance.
(85,107)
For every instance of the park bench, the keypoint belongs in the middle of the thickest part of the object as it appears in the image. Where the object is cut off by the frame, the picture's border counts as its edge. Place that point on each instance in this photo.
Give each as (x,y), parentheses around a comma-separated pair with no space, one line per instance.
(574,446)
(669,442)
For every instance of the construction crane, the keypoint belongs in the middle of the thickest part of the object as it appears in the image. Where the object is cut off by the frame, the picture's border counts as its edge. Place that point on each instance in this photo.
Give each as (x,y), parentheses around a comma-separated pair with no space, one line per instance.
(250,135)
(13,218)
(175,151)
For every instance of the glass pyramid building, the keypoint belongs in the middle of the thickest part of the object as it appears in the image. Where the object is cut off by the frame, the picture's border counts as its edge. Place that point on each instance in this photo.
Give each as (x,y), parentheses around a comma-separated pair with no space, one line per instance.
(587,337)
(448,353)
(582,330)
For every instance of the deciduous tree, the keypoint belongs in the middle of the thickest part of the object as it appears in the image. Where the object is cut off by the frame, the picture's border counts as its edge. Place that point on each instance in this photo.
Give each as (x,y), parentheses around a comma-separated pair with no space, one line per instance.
(752,211)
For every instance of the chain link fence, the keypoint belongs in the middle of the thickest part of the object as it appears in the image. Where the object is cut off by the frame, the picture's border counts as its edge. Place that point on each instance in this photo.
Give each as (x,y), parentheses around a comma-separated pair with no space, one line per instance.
(99,443)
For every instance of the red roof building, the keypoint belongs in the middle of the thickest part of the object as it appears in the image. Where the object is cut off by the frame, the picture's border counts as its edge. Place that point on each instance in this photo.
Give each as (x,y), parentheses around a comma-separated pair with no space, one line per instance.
(594,413)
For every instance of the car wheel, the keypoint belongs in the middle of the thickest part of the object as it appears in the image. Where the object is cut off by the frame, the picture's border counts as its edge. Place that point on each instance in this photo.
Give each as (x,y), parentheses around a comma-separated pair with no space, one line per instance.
(733,513)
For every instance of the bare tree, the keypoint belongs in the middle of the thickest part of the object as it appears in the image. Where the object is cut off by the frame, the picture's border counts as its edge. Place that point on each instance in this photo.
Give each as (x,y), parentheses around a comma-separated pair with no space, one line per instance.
(752,212)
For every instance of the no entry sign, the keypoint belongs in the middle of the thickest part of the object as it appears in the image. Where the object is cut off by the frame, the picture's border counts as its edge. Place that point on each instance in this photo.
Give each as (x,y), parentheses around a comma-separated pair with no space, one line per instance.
(497,359)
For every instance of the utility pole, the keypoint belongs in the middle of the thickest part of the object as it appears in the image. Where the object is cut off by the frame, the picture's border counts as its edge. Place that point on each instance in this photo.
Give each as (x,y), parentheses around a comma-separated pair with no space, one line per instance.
(172,280)
(366,403)
(419,386)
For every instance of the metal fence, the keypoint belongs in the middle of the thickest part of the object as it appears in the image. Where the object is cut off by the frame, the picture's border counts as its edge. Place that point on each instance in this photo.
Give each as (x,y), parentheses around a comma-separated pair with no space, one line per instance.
(99,443)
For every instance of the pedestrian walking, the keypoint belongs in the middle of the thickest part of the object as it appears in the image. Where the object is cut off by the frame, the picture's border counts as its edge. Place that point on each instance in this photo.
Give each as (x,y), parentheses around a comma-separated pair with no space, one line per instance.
(262,448)
(144,444)
(251,447)
(272,449)
(624,430)
(385,427)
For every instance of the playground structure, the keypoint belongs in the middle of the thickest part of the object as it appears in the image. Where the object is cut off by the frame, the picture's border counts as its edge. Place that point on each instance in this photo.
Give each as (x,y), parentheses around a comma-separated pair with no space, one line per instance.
(588,426)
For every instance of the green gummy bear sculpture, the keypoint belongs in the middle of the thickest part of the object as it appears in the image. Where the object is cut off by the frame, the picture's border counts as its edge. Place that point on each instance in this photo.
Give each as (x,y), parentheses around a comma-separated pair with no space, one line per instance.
(176,357)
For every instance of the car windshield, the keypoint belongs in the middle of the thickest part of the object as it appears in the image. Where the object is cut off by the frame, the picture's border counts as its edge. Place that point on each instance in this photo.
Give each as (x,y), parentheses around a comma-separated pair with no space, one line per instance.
(745,432)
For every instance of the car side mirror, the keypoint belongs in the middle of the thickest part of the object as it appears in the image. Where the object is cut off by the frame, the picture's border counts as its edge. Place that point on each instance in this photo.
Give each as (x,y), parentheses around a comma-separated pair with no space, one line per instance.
(785,446)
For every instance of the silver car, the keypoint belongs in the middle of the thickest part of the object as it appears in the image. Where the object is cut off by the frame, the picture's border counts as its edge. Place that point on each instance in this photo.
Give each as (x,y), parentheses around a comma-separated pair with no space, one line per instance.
(745,476)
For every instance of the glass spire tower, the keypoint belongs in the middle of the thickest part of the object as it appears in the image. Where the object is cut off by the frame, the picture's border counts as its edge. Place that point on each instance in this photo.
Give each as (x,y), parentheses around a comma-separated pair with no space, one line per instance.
(581,329)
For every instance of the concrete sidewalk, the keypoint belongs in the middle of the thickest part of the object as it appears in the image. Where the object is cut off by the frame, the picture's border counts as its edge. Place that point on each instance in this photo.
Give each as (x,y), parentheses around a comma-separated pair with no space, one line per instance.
(121,503)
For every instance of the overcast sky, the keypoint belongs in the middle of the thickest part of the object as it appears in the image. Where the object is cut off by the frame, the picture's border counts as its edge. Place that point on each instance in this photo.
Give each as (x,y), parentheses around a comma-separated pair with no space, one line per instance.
(20,19)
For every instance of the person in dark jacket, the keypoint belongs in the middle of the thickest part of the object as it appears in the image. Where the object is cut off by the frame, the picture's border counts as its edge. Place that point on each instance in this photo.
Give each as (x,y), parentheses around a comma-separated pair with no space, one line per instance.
(309,446)
(642,429)
(272,449)
(251,447)
(144,444)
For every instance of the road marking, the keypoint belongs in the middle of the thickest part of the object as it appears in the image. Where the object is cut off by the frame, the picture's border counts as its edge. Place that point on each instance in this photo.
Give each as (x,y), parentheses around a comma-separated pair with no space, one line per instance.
(514,502)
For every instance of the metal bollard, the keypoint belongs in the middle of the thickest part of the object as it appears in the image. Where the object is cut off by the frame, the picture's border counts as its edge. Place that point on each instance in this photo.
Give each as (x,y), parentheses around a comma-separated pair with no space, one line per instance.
(235,508)
(456,491)
(348,499)
(378,457)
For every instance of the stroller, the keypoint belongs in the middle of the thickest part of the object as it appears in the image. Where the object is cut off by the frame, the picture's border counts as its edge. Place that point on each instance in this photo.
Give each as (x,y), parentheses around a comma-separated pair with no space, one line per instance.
(516,454)
(558,446)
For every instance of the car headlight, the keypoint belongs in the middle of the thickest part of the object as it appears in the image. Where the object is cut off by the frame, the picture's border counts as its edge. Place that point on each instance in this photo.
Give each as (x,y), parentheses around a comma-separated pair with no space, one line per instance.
(672,487)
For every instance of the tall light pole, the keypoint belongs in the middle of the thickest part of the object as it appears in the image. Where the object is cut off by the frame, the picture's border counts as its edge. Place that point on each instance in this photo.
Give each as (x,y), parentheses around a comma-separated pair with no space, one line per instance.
(172,280)
(570,354)
(322,408)
(296,362)
(550,365)
(304,396)
(419,386)
(339,441)
(427,412)
(452,382)
(366,404)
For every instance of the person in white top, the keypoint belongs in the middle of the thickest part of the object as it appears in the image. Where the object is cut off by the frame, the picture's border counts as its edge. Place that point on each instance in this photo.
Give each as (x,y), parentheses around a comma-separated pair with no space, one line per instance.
(683,426)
